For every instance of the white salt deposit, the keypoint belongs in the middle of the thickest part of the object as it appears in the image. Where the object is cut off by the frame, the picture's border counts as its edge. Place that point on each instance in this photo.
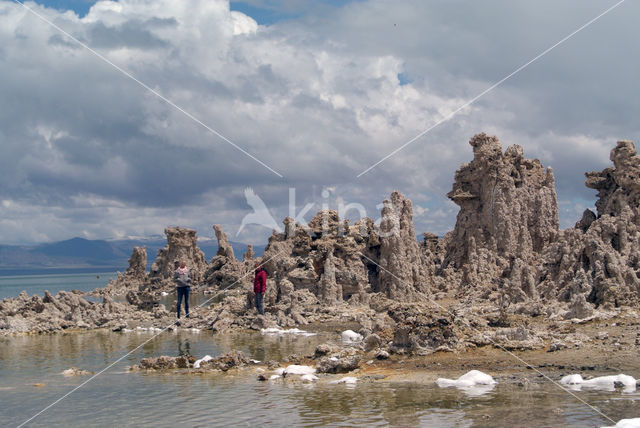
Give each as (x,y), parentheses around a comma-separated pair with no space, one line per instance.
(472,378)
(350,336)
(147,329)
(349,380)
(273,331)
(196,365)
(573,379)
(299,370)
(473,383)
(279,371)
(73,371)
(627,423)
(308,378)
(274,377)
(605,383)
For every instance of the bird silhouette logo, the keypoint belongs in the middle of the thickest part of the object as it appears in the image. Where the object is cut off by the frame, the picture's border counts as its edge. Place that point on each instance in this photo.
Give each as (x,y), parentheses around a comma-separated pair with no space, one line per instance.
(260,214)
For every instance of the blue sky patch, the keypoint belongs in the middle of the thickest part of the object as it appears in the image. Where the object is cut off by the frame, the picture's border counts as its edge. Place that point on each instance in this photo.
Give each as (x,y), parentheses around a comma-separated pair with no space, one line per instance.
(80,7)
(262,15)
(404,78)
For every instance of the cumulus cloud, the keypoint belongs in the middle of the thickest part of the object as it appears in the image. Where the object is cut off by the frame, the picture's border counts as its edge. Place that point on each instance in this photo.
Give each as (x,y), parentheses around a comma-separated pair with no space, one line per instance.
(318,98)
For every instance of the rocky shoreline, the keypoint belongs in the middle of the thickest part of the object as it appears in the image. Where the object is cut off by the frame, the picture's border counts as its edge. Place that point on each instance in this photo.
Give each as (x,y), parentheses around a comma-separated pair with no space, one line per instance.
(356,359)
(505,278)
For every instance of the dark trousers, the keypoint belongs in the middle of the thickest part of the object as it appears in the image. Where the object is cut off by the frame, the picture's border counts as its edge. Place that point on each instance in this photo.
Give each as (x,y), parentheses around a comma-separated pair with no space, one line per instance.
(259,307)
(183,291)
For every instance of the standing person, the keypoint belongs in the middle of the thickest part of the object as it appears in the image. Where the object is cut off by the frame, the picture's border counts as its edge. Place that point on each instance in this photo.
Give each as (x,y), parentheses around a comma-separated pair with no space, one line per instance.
(259,286)
(183,283)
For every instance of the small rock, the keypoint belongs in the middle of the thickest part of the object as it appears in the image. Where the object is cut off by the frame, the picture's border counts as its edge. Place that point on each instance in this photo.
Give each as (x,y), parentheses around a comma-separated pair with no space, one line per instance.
(271,364)
(556,346)
(381,354)
(324,349)
(372,341)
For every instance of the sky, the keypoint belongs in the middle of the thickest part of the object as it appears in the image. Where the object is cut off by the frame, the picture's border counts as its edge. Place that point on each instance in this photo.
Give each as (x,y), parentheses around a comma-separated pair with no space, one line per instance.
(172,109)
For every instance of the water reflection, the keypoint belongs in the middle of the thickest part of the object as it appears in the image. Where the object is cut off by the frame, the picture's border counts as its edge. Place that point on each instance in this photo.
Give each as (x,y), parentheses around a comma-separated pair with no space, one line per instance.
(151,399)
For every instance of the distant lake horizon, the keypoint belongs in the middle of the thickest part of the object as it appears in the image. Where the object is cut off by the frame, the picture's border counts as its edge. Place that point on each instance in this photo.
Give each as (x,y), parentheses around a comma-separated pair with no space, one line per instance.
(26,271)
(13,285)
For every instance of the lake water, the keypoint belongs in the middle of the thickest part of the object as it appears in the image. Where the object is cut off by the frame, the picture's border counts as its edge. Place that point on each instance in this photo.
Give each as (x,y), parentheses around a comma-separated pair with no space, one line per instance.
(118,397)
(11,286)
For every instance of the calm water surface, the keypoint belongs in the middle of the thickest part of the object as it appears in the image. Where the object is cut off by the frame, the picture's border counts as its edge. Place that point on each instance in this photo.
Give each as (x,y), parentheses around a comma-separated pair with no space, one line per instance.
(11,286)
(155,399)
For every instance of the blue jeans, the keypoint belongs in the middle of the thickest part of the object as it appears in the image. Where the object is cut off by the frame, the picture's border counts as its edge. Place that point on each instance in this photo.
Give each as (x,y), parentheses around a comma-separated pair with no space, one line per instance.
(183,291)
(259,307)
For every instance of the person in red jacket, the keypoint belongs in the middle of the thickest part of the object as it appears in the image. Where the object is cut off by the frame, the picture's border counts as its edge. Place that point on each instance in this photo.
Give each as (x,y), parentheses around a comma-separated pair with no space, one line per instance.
(259,286)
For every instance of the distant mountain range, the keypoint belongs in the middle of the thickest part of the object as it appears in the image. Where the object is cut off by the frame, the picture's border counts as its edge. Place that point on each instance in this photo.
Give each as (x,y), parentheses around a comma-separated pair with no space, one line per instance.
(90,255)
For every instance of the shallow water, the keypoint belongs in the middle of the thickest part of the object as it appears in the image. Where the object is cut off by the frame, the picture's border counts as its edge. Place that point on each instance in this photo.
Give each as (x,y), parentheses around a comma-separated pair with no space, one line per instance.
(156,399)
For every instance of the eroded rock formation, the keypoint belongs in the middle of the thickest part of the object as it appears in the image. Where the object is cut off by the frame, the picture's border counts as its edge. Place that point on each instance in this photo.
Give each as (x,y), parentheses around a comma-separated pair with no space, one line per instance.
(224,270)
(323,258)
(249,255)
(599,259)
(182,245)
(224,247)
(333,261)
(402,267)
(339,262)
(134,277)
(505,257)
(508,214)
(62,312)
(137,264)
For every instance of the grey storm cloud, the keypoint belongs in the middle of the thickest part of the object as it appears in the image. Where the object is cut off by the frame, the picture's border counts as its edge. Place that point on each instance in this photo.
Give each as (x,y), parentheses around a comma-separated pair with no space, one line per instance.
(131,34)
(317,97)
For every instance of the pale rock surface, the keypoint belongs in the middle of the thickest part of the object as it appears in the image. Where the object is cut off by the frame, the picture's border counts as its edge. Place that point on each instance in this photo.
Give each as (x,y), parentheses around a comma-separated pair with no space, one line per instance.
(508,214)
(137,264)
(132,279)
(65,311)
(224,246)
(402,266)
(182,245)
(224,270)
(249,255)
(322,258)
(600,258)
